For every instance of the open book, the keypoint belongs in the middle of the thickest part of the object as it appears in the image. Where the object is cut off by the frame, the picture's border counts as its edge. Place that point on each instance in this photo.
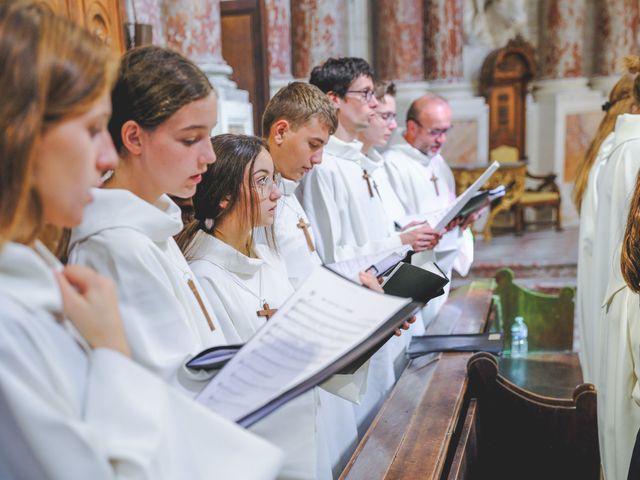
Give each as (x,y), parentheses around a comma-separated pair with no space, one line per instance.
(378,264)
(440,222)
(327,325)
(482,198)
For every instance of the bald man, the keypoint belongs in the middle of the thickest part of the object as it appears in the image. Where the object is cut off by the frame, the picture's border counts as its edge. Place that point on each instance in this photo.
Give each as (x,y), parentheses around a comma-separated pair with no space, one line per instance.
(425,184)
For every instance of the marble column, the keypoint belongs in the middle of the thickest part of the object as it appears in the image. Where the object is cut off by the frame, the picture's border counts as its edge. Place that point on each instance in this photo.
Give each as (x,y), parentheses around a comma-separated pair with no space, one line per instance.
(318,33)
(443,40)
(193,28)
(279,43)
(563,27)
(617,36)
(398,38)
(443,69)
(567,108)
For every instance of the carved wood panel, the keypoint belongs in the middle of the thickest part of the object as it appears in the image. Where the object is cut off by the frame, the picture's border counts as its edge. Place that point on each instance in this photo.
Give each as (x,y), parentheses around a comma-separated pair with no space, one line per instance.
(506,73)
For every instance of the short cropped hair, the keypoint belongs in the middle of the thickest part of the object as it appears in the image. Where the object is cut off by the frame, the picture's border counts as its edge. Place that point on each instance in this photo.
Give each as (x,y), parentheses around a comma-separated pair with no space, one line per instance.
(298,103)
(337,74)
(384,88)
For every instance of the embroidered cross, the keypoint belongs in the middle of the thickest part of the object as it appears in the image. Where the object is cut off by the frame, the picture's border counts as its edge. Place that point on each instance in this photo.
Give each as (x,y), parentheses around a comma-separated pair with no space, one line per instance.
(434,179)
(367,177)
(307,235)
(266,311)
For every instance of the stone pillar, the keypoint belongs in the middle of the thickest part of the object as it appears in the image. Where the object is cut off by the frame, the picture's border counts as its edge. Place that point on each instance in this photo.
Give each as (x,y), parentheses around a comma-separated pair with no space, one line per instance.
(318,33)
(617,34)
(563,26)
(567,108)
(444,40)
(398,39)
(195,31)
(443,69)
(279,43)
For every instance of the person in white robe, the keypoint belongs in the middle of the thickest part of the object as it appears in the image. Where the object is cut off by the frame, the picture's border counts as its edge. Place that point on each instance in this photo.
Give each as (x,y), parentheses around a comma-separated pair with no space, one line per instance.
(246,282)
(127,232)
(74,406)
(619,390)
(585,313)
(425,185)
(340,201)
(614,187)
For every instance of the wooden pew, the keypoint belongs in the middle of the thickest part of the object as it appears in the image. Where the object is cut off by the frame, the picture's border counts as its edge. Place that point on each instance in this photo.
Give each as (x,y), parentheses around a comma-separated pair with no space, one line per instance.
(411,437)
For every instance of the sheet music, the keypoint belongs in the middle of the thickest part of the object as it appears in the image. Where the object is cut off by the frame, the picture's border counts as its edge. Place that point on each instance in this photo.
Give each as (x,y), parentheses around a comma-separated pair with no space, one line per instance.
(350,268)
(320,323)
(462,200)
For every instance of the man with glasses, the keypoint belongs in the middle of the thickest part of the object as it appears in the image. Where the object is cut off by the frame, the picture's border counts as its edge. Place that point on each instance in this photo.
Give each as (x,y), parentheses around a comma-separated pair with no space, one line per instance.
(425,184)
(341,203)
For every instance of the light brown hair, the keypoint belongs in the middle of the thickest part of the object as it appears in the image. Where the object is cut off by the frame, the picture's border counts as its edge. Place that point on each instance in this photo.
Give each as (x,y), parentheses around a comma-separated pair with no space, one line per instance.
(622,97)
(298,103)
(630,254)
(51,70)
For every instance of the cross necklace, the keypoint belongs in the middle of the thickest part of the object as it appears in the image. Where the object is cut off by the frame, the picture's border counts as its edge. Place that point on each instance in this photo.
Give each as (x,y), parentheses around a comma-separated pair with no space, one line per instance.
(302,225)
(367,178)
(266,311)
(435,179)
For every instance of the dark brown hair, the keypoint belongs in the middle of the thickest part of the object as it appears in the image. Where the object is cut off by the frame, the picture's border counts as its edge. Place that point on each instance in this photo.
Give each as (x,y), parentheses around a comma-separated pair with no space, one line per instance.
(51,70)
(630,254)
(224,180)
(298,103)
(153,84)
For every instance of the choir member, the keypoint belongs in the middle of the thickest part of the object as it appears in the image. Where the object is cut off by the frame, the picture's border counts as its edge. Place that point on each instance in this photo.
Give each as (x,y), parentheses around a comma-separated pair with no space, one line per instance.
(74,406)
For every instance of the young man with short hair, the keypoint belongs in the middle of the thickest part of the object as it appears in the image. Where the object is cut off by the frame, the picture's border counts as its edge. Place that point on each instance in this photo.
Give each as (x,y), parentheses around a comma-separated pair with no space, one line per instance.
(339,195)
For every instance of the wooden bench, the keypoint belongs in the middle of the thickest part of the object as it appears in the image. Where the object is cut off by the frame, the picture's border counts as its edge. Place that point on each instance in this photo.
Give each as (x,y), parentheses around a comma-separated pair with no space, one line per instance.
(510,432)
(410,438)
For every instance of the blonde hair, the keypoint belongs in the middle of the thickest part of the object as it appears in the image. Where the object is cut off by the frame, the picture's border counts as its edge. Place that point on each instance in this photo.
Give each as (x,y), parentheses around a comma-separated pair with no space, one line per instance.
(624,94)
(51,70)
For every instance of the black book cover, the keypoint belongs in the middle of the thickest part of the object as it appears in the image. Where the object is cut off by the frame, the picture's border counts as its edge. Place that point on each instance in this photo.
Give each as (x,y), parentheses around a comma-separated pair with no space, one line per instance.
(474,342)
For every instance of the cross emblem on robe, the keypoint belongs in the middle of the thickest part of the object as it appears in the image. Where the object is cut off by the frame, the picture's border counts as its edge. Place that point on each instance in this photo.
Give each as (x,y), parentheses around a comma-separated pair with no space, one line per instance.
(307,235)
(266,312)
(194,290)
(434,179)
(367,178)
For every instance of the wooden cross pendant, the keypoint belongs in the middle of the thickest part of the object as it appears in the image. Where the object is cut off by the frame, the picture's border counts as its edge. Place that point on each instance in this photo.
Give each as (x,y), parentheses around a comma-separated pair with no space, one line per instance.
(434,179)
(266,311)
(194,290)
(307,235)
(367,178)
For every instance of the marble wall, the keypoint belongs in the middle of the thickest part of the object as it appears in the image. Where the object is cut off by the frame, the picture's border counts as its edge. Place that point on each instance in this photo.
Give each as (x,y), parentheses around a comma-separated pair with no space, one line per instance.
(580,129)
(462,143)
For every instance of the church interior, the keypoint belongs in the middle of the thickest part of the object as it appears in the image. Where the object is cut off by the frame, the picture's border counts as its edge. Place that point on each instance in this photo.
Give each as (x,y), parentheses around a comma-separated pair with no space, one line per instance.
(528,84)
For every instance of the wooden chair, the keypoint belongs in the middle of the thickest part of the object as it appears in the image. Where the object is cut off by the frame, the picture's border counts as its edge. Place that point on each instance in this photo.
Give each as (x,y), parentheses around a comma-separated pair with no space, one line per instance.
(549,317)
(510,432)
(545,195)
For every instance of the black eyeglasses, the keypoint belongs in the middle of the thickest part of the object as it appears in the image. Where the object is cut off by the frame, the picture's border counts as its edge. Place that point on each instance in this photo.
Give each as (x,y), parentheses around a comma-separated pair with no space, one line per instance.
(366,94)
(434,132)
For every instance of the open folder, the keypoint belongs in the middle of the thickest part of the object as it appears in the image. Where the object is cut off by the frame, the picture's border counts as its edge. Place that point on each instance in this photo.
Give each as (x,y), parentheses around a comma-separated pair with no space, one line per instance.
(326,326)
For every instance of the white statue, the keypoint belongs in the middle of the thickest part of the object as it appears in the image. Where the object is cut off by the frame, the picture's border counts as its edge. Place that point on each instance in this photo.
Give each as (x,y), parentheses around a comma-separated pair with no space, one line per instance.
(492,23)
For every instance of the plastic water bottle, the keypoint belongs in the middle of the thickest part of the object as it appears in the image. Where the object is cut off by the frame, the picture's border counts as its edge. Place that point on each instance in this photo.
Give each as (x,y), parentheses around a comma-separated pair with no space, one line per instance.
(519,342)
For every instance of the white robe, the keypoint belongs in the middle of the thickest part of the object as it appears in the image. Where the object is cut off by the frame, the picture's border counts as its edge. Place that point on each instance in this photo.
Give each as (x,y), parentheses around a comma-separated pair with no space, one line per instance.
(317,429)
(290,240)
(587,315)
(349,222)
(410,173)
(615,184)
(75,415)
(619,396)
(131,241)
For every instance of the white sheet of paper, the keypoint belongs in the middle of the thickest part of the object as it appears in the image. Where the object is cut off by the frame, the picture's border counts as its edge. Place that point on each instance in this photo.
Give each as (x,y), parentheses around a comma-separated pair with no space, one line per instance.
(320,323)
(463,198)
(350,268)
